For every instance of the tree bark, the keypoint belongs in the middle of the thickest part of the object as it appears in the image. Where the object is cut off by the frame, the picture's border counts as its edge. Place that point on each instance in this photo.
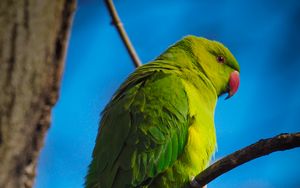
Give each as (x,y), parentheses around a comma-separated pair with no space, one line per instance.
(33,38)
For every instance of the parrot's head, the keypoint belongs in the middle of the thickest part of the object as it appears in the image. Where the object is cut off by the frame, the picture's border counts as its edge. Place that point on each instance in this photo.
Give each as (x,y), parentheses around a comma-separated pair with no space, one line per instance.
(217,63)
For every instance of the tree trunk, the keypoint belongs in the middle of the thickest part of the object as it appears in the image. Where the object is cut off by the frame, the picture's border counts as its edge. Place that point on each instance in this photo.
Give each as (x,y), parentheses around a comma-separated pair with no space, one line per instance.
(33,38)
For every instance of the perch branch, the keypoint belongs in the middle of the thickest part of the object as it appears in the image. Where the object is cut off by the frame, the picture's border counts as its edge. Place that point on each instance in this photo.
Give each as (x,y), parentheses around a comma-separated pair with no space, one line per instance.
(263,147)
(119,25)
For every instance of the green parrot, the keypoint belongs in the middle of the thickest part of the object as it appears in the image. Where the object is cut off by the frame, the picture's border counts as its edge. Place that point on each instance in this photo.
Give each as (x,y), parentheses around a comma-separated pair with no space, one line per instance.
(158,129)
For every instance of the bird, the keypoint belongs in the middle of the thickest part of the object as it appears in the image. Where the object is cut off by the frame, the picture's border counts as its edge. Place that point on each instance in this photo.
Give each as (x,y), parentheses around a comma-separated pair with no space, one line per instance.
(158,131)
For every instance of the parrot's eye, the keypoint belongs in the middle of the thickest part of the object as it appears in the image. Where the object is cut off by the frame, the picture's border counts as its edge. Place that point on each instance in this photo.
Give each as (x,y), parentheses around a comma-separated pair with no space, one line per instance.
(221,59)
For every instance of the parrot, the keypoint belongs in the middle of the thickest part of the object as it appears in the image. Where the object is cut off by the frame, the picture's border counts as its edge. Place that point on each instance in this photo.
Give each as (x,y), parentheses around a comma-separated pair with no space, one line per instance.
(158,129)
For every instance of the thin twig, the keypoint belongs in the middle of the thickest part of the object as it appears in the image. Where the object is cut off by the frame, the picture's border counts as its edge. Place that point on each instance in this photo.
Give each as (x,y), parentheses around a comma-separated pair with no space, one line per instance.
(263,147)
(119,25)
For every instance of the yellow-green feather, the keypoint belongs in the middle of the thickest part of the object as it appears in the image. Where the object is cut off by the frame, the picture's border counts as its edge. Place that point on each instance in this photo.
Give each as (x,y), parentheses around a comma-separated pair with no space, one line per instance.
(201,141)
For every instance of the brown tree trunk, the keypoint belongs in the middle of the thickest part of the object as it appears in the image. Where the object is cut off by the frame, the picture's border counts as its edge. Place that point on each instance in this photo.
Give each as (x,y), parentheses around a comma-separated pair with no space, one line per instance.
(33,38)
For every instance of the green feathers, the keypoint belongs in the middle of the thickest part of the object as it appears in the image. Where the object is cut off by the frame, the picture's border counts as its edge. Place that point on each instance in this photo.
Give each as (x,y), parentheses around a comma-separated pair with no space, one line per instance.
(158,130)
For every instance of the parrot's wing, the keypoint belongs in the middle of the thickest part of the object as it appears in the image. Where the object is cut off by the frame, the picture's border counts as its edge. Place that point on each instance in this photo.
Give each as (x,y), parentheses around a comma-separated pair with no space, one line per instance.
(143,131)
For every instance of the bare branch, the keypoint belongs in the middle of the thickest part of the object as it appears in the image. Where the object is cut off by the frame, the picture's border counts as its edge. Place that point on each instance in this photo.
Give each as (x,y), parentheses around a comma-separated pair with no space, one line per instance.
(263,147)
(119,25)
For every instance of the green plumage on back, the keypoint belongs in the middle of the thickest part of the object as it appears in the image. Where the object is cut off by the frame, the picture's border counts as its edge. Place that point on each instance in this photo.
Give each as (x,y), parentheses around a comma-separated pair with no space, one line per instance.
(158,129)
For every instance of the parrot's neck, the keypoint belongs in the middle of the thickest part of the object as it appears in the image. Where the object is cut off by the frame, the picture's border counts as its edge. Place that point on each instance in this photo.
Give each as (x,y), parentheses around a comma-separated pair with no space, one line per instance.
(179,62)
(182,56)
(205,89)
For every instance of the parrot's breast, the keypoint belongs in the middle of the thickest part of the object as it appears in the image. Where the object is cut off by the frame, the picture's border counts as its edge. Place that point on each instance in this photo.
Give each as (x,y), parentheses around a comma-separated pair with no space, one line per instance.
(201,140)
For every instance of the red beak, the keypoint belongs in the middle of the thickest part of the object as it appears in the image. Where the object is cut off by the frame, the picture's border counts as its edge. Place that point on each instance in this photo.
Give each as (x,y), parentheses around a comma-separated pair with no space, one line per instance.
(234,82)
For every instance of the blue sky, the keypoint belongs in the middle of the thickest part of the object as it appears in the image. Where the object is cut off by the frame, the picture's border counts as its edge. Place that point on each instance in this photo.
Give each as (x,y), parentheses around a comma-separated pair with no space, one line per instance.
(263,36)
